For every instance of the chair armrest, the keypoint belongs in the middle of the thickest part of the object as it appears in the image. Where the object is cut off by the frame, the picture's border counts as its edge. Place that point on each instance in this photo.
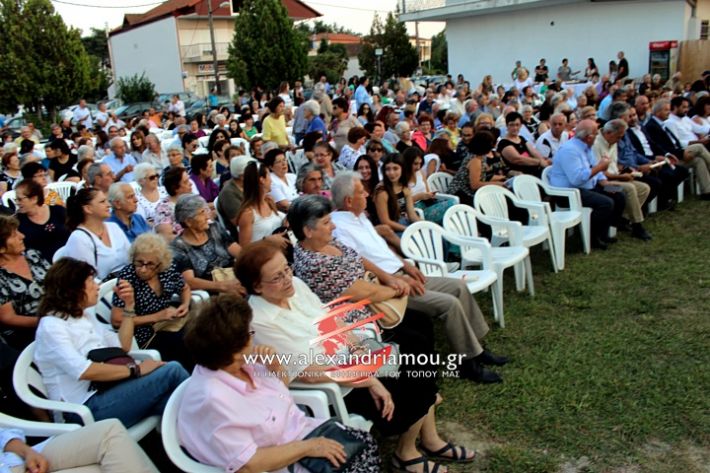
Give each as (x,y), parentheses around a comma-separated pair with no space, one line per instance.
(537,211)
(427,263)
(468,242)
(444,197)
(58,406)
(36,429)
(315,400)
(512,230)
(145,355)
(572,195)
(334,393)
(200,296)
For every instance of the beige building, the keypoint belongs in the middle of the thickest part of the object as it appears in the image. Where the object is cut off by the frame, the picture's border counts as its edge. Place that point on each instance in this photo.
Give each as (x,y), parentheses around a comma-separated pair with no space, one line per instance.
(171,44)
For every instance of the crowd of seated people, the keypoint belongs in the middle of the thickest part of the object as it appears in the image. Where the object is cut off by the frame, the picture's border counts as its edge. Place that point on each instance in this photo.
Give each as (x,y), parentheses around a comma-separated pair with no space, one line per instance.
(309,210)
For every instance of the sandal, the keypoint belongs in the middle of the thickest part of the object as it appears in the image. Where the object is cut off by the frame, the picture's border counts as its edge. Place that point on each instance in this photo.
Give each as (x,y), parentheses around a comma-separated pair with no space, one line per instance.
(455,457)
(401,466)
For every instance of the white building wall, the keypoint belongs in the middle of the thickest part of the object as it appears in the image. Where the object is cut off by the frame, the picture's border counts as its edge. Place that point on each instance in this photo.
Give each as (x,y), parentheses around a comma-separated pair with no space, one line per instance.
(153,49)
(490,44)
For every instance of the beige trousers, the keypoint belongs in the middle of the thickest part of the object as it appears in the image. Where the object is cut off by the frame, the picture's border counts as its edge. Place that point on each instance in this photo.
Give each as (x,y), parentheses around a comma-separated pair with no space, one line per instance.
(636,193)
(700,164)
(102,447)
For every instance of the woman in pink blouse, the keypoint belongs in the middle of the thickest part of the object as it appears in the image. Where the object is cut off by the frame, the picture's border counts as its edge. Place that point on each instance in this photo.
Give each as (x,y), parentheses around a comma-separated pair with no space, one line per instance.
(238,414)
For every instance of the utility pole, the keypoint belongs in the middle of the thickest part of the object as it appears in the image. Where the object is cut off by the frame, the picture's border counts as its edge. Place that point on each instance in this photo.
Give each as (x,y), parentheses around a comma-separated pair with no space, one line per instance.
(215,65)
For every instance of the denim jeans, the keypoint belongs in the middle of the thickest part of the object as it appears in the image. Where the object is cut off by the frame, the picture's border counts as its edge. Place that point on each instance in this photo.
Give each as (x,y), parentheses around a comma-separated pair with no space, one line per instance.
(135,399)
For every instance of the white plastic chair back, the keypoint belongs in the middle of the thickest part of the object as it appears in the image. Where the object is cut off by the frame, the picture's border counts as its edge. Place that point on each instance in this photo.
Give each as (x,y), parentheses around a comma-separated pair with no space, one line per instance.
(102,309)
(8,199)
(546,175)
(64,189)
(439,182)
(136,186)
(167,135)
(203,140)
(491,200)
(33,428)
(240,142)
(156,131)
(528,187)
(59,254)
(424,240)
(460,220)
(219,215)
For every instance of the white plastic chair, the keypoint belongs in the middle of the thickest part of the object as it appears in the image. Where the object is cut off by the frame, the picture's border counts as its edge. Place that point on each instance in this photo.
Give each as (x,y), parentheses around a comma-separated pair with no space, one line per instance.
(491,205)
(64,189)
(241,142)
(439,182)
(204,141)
(423,242)
(219,215)
(320,397)
(33,428)
(8,199)
(528,188)
(27,381)
(460,220)
(59,254)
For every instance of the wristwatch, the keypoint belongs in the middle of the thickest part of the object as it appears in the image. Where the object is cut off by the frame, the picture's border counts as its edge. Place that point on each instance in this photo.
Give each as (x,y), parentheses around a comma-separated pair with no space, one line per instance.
(135,370)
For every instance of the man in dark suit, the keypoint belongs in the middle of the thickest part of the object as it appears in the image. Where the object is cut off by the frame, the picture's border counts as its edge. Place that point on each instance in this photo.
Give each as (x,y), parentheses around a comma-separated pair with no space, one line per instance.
(665,143)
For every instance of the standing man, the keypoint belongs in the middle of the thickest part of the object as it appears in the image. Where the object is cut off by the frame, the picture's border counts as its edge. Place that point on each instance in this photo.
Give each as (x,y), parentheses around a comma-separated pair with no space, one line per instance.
(177,106)
(564,72)
(362,96)
(623,70)
(541,71)
(101,117)
(82,115)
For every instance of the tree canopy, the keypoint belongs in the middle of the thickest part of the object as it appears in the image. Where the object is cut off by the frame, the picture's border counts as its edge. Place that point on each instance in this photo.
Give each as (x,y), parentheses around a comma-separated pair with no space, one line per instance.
(439,53)
(43,61)
(331,61)
(266,48)
(399,57)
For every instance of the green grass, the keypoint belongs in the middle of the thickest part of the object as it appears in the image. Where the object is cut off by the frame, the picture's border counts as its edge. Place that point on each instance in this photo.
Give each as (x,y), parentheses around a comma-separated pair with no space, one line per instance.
(610,360)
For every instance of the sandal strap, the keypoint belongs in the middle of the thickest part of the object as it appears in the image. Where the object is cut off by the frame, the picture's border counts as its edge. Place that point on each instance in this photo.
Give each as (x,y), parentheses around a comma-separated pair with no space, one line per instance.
(402,464)
(441,451)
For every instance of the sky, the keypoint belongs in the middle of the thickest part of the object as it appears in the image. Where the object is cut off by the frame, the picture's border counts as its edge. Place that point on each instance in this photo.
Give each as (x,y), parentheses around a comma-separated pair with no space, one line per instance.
(357,16)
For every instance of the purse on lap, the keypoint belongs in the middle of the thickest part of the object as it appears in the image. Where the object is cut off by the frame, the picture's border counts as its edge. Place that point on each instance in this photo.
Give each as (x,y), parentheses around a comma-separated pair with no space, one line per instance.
(109,356)
(332,430)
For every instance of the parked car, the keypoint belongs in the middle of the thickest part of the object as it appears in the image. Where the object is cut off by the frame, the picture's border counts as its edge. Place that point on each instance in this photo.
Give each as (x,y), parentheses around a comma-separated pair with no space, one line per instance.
(69,111)
(131,110)
(163,100)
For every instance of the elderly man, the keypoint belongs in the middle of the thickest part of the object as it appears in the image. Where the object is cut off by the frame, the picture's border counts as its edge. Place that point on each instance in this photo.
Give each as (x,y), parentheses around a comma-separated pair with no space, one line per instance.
(124,204)
(120,162)
(101,117)
(549,142)
(82,115)
(635,154)
(231,196)
(437,297)
(623,70)
(154,154)
(100,176)
(26,134)
(469,115)
(635,192)
(664,142)
(310,180)
(574,166)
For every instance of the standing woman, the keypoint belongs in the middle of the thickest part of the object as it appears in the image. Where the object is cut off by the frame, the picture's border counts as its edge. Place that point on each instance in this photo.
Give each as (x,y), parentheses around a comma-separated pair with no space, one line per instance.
(101,244)
(393,199)
(42,225)
(591,69)
(520,154)
(258,216)
(274,126)
(138,145)
(22,274)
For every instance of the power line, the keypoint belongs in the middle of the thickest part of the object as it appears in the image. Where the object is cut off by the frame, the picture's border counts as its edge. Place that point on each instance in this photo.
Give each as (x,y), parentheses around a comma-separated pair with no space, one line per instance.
(349,8)
(109,6)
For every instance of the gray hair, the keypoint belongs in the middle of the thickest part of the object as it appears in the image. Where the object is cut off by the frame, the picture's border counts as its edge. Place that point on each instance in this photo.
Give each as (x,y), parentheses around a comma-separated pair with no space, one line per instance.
(614,126)
(174,147)
(220,117)
(154,245)
(312,106)
(112,144)
(83,151)
(584,128)
(305,211)
(342,187)
(187,207)
(558,115)
(526,108)
(142,171)
(659,105)
(91,173)
(152,136)
(401,127)
(617,109)
(303,173)
(115,192)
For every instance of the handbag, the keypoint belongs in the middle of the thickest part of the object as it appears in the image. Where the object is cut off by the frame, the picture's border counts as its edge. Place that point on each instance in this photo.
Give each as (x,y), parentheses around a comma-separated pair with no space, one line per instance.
(393,309)
(223,274)
(333,430)
(110,356)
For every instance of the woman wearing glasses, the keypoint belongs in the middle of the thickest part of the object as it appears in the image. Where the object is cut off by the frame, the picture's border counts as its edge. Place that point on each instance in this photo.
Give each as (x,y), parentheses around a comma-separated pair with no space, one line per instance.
(160,295)
(151,193)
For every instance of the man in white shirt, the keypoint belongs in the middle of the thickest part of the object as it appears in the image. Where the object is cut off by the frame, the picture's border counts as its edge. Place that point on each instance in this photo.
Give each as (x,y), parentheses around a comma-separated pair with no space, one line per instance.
(177,106)
(681,128)
(82,115)
(549,142)
(437,297)
(101,117)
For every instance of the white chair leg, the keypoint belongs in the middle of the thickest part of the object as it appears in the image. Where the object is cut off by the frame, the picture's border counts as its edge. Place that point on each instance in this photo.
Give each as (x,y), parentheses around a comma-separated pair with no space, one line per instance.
(519,270)
(497,295)
(528,272)
(653,206)
(681,191)
(553,257)
(586,230)
(612,232)
(558,240)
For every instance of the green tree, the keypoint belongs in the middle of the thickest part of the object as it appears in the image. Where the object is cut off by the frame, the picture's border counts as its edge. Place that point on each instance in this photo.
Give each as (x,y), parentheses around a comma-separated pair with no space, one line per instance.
(96,44)
(135,89)
(266,48)
(439,53)
(399,57)
(331,61)
(43,61)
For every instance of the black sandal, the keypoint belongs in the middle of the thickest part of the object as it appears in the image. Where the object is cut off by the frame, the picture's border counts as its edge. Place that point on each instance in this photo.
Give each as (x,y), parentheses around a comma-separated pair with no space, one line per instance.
(401,466)
(455,458)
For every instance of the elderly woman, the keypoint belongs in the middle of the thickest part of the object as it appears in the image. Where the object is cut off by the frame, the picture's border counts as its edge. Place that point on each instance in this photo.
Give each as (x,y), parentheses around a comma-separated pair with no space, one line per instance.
(283,184)
(160,294)
(202,168)
(22,273)
(404,133)
(66,338)
(477,169)
(10,170)
(203,247)
(311,112)
(530,123)
(258,216)
(138,145)
(150,192)
(176,183)
(36,172)
(274,125)
(323,157)
(354,148)
(100,243)
(42,225)
(423,135)
(285,311)
(153,153)
(519,153)
(221,421)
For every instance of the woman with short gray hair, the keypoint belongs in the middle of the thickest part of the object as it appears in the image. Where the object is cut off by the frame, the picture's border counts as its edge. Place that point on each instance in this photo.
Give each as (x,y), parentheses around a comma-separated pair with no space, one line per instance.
(203,248)
(150,193)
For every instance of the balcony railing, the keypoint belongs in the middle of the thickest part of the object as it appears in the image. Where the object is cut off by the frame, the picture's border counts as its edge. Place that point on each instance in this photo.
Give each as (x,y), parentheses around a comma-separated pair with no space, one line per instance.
(201,52)
(411,6)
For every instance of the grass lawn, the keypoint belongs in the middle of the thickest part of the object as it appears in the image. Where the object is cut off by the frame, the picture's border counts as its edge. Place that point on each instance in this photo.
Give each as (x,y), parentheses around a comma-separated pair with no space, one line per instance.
(611,361)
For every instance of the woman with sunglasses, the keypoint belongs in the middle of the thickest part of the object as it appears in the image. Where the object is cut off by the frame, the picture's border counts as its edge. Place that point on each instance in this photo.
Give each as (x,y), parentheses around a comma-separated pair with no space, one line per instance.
(151,193)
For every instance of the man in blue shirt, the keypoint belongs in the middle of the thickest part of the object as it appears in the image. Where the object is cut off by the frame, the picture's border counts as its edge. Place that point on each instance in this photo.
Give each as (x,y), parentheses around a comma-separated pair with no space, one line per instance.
(120,162)
(574,166)
(124,203)
(361,94)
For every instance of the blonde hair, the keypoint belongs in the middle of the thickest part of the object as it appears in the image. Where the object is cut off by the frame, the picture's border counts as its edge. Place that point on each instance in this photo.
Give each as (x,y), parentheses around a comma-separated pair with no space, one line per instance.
(152,244)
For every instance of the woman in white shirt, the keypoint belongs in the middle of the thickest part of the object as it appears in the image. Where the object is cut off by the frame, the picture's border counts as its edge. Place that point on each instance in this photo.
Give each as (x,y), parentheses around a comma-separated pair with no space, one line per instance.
(151,193)
(283,184)
(101,244)
(258,217)
(66,336)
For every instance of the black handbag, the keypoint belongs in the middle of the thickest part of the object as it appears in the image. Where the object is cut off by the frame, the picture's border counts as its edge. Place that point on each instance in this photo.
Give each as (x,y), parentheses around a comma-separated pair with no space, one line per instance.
(111,356)
(333,430)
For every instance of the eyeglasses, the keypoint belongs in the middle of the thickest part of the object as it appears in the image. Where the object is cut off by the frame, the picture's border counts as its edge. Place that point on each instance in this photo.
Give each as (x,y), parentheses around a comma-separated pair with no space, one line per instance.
(145,264)
(153,177)
(377,150)
(281,277)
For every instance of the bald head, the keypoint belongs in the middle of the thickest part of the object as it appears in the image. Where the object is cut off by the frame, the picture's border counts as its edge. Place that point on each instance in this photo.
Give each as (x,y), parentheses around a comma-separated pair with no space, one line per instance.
(586,131)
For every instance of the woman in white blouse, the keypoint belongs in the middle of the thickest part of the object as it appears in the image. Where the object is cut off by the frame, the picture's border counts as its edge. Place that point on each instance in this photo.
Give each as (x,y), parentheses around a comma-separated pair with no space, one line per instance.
(258,217)
(283,184)
(150,194)
(66,336)
(101,244)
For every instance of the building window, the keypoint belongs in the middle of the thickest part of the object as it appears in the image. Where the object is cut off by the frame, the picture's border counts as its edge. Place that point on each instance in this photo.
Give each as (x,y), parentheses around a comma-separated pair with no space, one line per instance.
(704,27)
